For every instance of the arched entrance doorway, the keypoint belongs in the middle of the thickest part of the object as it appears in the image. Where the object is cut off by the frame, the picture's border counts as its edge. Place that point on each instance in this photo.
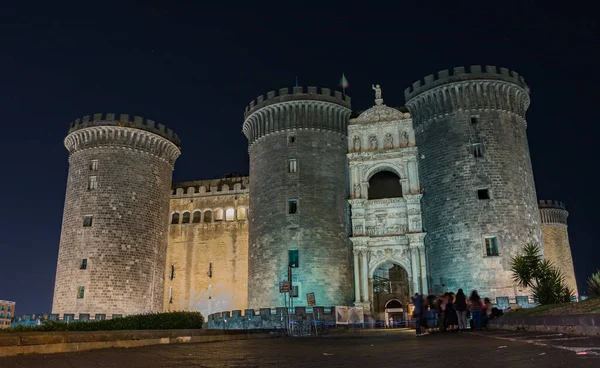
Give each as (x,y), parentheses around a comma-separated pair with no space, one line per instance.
(390,293)
(394,313)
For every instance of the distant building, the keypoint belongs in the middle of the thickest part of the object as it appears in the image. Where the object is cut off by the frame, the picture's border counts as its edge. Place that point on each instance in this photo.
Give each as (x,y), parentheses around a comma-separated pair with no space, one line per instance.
(7,311)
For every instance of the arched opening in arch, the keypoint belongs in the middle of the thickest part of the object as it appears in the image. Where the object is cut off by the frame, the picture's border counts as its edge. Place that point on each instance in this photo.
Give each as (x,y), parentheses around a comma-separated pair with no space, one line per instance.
(218,214)
(385,184)
(175,218)
(208,216)
(390,294)
(185,218)
(196,217)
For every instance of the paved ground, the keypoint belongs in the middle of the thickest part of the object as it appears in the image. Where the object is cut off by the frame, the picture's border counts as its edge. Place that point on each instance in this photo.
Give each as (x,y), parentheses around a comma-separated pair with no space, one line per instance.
(392,348)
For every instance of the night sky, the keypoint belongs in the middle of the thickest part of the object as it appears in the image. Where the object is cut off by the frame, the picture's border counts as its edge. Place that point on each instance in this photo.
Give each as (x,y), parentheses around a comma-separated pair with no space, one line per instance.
(195,67)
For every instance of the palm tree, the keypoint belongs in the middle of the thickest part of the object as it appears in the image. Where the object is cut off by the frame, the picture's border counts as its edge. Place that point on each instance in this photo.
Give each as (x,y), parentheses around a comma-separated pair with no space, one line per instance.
(546,281)
(594,284)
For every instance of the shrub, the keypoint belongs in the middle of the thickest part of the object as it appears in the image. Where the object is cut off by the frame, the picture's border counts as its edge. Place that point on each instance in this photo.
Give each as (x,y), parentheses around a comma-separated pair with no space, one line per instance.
(151,321)
(594,284)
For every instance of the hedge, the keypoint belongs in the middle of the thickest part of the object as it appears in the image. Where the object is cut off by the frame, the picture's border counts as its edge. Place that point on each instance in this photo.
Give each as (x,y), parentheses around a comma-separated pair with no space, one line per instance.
(151,321)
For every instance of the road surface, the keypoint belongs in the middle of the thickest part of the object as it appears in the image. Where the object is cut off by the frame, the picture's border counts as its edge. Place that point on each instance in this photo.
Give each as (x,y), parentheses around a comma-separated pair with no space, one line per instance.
(367,348)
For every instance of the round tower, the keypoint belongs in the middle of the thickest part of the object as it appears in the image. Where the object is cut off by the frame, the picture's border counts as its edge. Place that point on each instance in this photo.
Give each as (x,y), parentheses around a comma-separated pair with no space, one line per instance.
(115,223)
(556,239)
(479,201)
(298,192)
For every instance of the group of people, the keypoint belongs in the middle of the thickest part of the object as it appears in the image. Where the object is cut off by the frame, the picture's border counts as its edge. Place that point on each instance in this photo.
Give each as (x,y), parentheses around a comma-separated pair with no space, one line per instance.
(450,312)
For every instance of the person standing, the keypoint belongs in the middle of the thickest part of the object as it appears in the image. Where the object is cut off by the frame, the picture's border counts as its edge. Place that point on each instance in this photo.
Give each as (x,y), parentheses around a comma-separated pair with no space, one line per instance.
(461,309)
(451,317)
(476,307)
(418,312)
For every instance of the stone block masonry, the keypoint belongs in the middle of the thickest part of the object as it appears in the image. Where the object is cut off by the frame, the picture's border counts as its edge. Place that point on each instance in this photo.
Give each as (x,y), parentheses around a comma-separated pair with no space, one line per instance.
(115,223)
(480,205)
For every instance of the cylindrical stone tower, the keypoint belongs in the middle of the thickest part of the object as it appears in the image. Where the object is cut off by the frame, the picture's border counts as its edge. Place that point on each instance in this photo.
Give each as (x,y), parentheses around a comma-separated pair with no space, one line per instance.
(298,192)
(479,201)
(556,239)
(115,224)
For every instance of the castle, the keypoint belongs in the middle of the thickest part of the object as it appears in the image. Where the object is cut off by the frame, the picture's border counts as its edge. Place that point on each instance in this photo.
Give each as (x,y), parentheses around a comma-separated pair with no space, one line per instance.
(366,209)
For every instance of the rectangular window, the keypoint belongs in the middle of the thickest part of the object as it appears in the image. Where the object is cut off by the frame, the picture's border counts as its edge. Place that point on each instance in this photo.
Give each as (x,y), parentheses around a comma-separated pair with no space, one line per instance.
(87,220)
(94,165)
(80,292)
(9,308)
(491,246)
(483,194)
(92,183)
(292,165)
(474,120)
(83,264)
(292,206)
(292,139)
(477,150)
(293,260)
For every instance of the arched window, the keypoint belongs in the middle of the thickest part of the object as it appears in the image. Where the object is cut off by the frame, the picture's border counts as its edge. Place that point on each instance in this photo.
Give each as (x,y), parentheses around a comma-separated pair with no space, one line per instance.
(385,184)
(175,218)
(208,216)
(186,218)
(241,213)
(196,217)
(219,215)
(230,214)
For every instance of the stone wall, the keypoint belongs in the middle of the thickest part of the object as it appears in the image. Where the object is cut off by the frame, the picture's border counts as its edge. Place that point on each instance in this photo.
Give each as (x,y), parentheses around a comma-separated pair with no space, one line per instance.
(121,177)
(209,258)
(453,114)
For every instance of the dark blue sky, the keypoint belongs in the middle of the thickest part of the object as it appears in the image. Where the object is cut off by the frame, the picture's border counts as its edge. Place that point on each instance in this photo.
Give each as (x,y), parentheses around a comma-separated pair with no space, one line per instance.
(195,67)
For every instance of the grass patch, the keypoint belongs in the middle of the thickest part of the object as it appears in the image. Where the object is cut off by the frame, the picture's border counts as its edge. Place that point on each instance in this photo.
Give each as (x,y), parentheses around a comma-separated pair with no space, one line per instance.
(590,306)
(151,321)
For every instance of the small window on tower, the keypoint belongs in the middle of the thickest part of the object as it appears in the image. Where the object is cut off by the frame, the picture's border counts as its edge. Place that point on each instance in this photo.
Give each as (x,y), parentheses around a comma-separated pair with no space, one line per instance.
(94,165)
(474,120)
(292,165)
(292,206)
(175,218)
(172,272)
(292,139)
(87,220)
(170,294)
(477,150)
(483,194)
(491,246)
(80,292)
(83,264)
(92,183)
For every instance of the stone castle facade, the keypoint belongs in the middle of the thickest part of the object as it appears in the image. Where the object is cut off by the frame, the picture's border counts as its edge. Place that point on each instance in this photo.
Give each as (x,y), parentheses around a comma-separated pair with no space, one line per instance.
(367,208)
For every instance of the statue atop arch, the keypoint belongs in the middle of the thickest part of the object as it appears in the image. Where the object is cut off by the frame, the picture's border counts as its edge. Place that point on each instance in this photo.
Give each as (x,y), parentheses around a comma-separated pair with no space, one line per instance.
(378,99)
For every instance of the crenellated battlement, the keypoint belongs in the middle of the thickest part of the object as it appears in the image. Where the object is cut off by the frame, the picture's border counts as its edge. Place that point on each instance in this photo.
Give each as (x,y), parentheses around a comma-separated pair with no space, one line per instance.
(300,110)
(298,93)
(459,74)
(124,120)
(213,187)
(553,212)
(551,204)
